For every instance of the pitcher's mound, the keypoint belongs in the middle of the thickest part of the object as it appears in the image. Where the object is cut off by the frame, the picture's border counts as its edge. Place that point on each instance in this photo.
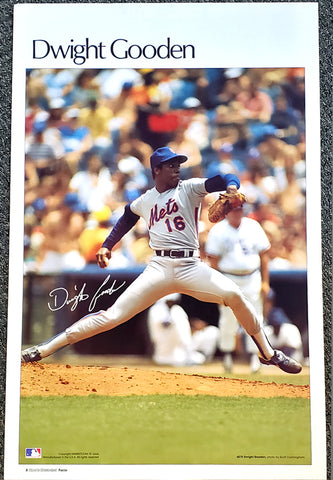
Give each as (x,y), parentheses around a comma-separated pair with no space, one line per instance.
(49,379)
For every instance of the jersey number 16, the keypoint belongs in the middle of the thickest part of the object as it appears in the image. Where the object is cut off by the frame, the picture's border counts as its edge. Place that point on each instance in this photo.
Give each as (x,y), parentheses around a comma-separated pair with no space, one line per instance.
(178,223)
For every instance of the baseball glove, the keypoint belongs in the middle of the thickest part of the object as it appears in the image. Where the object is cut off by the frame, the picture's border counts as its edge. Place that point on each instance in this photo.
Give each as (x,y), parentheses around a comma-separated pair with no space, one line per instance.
(224,204)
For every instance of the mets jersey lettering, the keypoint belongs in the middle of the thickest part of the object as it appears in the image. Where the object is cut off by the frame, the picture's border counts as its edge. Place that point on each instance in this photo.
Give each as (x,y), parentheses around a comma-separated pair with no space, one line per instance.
(156,216)
(172,216)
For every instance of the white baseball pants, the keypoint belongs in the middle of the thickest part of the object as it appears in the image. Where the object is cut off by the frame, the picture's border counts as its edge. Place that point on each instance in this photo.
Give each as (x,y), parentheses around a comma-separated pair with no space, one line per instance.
(161,277)
(228,324)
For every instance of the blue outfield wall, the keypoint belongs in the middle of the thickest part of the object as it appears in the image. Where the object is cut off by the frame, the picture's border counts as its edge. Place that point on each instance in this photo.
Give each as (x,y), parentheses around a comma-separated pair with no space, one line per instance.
(60,300)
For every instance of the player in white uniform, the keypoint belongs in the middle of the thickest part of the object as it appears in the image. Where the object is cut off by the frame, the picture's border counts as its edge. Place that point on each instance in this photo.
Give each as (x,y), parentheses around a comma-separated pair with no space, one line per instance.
(238,247)
(281,332)
(170,332)
(171,210)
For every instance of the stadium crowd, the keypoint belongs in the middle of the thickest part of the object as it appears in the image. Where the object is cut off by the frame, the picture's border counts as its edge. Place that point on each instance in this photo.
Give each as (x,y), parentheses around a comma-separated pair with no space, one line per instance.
(90,133)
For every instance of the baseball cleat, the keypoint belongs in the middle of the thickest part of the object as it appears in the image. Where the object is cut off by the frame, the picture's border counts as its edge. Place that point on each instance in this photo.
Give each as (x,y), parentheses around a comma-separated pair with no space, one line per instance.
(281,360)
(31,354)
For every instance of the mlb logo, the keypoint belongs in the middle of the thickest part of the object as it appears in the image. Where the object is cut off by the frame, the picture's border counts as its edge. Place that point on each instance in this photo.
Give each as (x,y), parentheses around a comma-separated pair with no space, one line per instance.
(33,453)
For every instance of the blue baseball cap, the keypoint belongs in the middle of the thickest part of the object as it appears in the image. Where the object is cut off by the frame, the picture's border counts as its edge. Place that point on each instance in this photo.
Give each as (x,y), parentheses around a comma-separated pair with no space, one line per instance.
(164,154)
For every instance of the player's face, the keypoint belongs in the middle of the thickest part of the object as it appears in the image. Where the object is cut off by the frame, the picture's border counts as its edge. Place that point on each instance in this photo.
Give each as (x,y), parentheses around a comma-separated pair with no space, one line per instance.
(167,176)
(235,217)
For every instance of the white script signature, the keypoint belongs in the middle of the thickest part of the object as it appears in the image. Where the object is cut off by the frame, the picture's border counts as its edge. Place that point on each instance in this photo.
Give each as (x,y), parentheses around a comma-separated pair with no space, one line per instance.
(60,296)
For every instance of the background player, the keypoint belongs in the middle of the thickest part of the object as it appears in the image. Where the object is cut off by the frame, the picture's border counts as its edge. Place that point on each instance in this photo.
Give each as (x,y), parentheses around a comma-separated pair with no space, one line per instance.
(281,332)
(171,210)
(237,247)
(170,332)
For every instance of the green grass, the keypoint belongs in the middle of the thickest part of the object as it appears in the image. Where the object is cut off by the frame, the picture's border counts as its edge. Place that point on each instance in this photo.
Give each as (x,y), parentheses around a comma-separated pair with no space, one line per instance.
(163,429)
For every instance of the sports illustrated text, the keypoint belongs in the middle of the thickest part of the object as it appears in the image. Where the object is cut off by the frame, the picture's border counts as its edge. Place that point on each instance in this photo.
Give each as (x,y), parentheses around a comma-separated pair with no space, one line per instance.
(61,298)
(120,49)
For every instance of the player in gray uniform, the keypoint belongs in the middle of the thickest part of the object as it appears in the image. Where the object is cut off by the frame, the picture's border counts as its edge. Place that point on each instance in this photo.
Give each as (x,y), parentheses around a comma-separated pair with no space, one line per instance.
(171,210)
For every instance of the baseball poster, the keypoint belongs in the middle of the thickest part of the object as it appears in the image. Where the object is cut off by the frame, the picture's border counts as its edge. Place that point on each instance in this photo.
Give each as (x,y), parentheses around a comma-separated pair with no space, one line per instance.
(165,314)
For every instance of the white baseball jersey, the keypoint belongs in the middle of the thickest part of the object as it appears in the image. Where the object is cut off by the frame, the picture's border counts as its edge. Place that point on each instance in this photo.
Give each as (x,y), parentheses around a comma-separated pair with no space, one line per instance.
(172,216)
(174,344)
(289,336)
(170,332)
(239,248)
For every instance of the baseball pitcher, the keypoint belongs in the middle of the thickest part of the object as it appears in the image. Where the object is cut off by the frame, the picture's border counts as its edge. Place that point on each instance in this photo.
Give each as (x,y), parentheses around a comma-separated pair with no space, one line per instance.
(171,210)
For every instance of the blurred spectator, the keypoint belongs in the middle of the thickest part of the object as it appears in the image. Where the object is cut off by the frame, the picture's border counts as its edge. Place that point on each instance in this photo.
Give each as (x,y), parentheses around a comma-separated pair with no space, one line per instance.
(292,156)
(277,253)
(198,129)
(218,86)
(291,199)
(36,89)
(59,84)
(287,121)
(85,88)
(272,151)
(182,85)
(111,81)
(42,155)
(118,181)
(31,179)
(59,248)
(294,89)
(301,147)
(229,126)
(134,178)
(50,122)
(294,162)
(139,246)
(96,230)
(32,110)
(29,260)
(170,332)
(158,87)
(124,111)
(257,105)
(186,146)
(271,81)
(155,126)
(258,186)
(265,211)
(96,117)
(295,248)
(288,243)
(50,189)
(256,108)
(281,332)
(231,114)
(231,87)
(133,146)
(93,186)
(225,163)
(76,139)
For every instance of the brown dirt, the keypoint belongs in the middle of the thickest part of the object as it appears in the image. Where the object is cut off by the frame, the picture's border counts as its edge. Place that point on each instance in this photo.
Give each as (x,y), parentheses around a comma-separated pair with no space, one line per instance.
(50,379)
